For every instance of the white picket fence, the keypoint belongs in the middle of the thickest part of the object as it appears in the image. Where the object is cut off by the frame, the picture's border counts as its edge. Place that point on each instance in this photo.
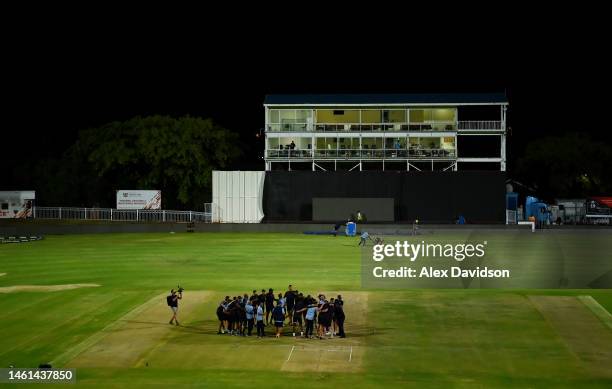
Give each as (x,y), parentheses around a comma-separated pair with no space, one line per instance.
(133,215)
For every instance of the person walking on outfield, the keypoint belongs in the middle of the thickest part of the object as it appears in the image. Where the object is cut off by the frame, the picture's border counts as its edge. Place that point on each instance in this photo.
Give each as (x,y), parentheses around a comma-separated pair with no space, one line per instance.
(172,301)
(364,237)
(259,317)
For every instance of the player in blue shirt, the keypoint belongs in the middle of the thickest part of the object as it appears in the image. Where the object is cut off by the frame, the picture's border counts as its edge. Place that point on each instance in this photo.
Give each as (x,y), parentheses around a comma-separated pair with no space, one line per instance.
(250,313)
(311,312)
(259,316)
(364,237)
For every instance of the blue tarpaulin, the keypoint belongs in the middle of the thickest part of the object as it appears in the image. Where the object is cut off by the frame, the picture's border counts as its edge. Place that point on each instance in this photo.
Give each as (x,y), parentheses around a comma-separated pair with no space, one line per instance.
(351,229)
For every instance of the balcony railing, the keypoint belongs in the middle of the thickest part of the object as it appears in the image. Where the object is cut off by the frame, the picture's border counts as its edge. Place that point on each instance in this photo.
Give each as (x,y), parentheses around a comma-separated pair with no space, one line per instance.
(285,154)
(354,127)
(431,127)
(374,127)
(290,127)
(413,153)
(483,125)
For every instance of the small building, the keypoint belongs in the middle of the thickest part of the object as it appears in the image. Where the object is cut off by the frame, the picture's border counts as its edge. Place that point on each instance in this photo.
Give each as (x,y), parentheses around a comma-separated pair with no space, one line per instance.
(383,131)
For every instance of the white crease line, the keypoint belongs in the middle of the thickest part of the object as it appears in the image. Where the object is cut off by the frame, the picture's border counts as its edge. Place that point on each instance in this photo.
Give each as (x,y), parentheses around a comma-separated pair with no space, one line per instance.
(351,354)
(77,349)
(289,357)
(599,311)
(94,338)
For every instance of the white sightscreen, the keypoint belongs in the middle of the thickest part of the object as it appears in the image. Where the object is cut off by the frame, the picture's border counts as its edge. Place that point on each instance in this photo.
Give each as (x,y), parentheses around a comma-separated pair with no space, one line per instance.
(237,196)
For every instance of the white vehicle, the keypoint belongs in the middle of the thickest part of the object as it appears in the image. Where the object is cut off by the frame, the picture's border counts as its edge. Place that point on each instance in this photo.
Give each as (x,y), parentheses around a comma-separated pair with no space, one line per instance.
(16,204)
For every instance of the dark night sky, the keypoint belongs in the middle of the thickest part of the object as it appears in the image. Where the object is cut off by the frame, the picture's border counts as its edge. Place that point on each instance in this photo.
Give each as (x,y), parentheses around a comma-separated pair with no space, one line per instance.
(56,84)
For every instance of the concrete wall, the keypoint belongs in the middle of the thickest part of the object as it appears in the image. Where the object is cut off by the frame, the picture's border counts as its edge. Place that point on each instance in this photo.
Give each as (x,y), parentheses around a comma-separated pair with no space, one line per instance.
(60,228)
(28,227)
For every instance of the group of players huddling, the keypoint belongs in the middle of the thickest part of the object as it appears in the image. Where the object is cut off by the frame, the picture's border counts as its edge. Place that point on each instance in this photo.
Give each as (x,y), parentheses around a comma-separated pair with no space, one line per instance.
(238,315)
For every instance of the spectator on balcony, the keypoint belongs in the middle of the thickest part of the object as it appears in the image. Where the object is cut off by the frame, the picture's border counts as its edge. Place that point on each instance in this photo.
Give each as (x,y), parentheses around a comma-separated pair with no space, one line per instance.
(292,145)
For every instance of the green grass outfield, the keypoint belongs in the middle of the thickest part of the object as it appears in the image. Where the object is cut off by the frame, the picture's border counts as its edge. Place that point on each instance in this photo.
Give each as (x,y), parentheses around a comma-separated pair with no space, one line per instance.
(117,334)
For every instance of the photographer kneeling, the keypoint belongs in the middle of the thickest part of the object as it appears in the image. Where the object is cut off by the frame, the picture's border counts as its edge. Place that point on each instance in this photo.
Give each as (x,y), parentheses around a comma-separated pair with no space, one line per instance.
(172,301)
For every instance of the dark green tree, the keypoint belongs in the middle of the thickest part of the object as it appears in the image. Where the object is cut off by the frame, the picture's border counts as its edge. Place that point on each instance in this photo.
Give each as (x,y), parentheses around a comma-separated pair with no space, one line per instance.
(570,165)
(175,155)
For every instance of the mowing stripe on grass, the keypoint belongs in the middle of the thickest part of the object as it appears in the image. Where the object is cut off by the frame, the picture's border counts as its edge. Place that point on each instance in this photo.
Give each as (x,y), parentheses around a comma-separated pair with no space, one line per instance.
(135,335)
(67,318)
(71,353)
(597,310)
(21,307)
(44,288)
(583,333)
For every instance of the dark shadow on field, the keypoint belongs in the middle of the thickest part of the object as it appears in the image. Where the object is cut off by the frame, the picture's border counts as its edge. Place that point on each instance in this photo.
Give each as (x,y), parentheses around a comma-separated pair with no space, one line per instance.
(157,324)
(602,282)
(200,328)
(210,327)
